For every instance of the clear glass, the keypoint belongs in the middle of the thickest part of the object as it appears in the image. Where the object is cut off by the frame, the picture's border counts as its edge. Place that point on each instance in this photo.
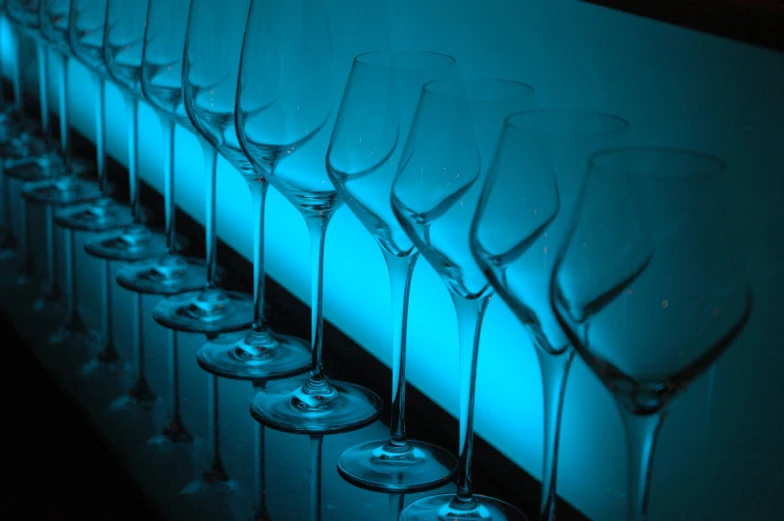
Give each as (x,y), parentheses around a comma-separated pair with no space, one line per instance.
(647,286)
(362,159)
(521,218)
(161,83)
(284,100)
(84,34)
(213,58)
(434,196)
(213,37)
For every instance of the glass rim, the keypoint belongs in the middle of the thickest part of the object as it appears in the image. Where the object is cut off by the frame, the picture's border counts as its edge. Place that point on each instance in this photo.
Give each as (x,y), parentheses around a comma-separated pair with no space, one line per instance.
(711,165)
(428,86)
(365,58)
(621,123)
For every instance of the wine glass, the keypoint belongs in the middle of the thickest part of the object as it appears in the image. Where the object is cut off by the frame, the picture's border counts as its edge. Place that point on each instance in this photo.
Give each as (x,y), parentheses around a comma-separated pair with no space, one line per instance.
(647,286)
(123,43)
(169,274)
(362,159)
(285,99)
(434,196)
(260,353)
(84,34)
(522,214)
(209,81)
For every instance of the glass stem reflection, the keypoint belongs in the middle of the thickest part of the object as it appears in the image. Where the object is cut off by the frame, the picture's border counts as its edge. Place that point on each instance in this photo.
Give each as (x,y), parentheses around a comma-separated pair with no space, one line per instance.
(470,313)
(317,226)
(316,445)
(216,473)
(400,271)
(641,435)
(167,129)
(109,352)
(210,166)
(259,477)
(396,503)
(258,194)
(555,370)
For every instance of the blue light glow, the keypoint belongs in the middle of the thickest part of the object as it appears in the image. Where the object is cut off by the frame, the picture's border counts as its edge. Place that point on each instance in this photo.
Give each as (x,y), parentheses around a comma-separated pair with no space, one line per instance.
(677,88)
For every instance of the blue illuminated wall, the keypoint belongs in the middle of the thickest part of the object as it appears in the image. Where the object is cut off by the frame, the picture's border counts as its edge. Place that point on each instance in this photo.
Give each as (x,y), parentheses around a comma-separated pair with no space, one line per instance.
(720,453)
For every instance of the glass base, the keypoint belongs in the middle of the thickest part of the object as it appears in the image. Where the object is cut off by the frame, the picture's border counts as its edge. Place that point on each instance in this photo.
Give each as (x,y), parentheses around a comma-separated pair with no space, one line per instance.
(29,162)
(213,480)
(256,356)
(209,311)
(8,245)
(315,408)
(139,394)
(175,431)
(413,467)
(65,190)
(100,215)
(446,507)
(132,243)
(72,331)
(167,275)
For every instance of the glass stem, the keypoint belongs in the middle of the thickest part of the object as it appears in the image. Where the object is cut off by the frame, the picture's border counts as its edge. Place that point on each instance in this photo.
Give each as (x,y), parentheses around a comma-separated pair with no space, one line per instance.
(100,138)
(43,81)
(2,73)
(174,377)
(167,129)
(65,129)
(260,479)
(400,270)
(317,226)
(141,380)
(316,446)
(109,352)
(26,265)
(210,165)
(133,157)
(17,73)
(216,470)
(75,321)
(258,194)
(396,502)
(641,435)
(470,313)
(555,370)
(52,291)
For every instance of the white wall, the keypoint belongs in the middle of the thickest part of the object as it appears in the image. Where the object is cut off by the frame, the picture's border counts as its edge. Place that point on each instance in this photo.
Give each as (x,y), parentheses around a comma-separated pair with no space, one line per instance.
(720,454)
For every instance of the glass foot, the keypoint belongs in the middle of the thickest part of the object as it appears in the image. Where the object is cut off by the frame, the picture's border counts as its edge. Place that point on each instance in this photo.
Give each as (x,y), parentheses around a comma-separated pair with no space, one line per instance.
(315,407)
(176,432)
(74,330)
(256,355)
(210,311)
(446,507)
(412,467)
(65,190)
(139,394)
(167,275)
(102,214)
(214,479)
(132,243)
(7,245)
(34,167)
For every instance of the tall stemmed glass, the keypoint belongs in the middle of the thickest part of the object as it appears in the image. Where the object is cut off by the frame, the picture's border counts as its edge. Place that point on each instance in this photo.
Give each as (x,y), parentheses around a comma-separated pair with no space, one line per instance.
(88,18)
(169,274)
(260,353)
(284,99)
(522,216)
(647,286)
(362,159)
(434,196)
(209,80)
